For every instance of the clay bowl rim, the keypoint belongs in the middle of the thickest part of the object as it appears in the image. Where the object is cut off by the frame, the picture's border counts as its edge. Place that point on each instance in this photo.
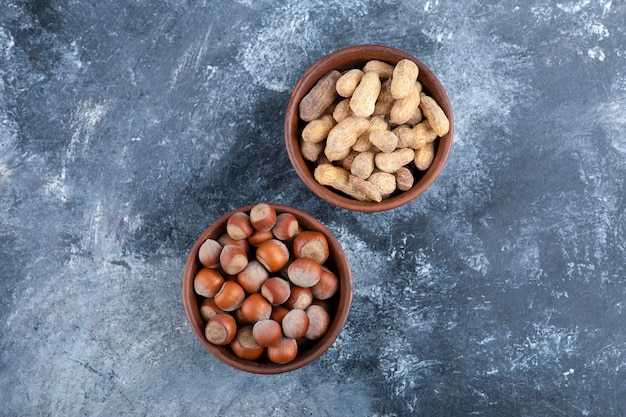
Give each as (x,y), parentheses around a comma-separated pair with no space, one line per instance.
(343,300)
(353,57)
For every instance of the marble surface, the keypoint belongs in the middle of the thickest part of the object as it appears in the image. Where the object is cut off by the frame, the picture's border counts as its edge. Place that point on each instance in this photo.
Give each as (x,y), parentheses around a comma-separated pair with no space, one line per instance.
(127,127)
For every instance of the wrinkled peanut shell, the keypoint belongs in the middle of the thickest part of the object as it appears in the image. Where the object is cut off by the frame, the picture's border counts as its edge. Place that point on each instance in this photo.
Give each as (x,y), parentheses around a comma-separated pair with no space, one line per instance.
(321,96)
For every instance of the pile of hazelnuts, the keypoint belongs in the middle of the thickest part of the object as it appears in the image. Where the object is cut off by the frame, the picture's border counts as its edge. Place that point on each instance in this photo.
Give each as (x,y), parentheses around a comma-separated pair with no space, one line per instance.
(264,286)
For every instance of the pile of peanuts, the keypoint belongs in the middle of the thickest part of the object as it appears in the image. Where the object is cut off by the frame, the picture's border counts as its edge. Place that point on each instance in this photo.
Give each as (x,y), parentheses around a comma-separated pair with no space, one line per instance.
(369,130)
(264,286)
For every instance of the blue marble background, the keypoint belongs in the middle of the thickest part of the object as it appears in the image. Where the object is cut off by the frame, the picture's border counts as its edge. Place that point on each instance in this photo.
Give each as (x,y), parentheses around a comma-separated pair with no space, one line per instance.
(127,127)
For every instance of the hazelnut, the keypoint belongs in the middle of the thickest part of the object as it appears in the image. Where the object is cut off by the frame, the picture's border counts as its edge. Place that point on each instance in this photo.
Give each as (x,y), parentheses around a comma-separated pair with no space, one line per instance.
(227,240)
(244,346)
(327,286)
(239,318)
(233,259)
(295,323)
(255,308)
(238,226)
(299,298)
(230,296)
(221,329)
(273,255)
(276,290)
(263,217)
(207,282)
(209,253)
(278,313)
(286,226)
(208,309)
(257,237)
(284,351)
(311,244)
(304,272)
(325,304)
(267,332)
(252,277)
(319,320)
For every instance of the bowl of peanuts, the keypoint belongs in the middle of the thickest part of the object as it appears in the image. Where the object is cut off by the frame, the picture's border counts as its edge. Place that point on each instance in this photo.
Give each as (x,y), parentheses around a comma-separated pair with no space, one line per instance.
(267,288)
(368,128)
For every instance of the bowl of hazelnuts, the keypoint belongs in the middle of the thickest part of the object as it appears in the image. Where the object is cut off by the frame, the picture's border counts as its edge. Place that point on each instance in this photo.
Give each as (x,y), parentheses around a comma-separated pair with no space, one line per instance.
(267,288)
(368,128)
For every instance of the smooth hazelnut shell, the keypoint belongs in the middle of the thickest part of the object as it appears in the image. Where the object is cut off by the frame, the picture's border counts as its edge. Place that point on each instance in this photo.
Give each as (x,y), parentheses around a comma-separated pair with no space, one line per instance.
(255,307)
(257,237)
(295,323)
(273,255)
(276,290)
(209,253)
(221,329)
(252,277)
(278,313)
(299,298)
(244,346)
(233,259)
(327,286)
(325,304)
(230,296)
(263,217)
(224,240)
(319,320)
(267,332)
(286,226)
(239,318)
(208,309)
(339,305)
(285,351)
(304,272)
(208,282)
(311,244)
(342,60)
(238,226)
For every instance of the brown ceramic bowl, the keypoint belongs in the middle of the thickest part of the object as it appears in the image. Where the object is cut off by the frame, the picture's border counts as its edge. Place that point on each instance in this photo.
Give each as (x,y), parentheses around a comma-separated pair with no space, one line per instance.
(307,353)
(356,57)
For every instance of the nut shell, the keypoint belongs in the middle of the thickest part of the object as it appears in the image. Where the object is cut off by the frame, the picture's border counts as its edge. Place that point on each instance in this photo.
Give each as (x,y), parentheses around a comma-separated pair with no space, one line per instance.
(230,296)
(233,259)
(311,244)
(284,351)
(278,313)
(221,329)
(263,217)
(273,255)
(238,226)
(227,240)
(252,277)
(327,286)
(209,253)
(276,290)
(244,346)
(304,272)
(286,226)
(295,323)
(255,307)
(300,298)
(267,332)
(257,237)
(208,309)
(319,320)
(207,282)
